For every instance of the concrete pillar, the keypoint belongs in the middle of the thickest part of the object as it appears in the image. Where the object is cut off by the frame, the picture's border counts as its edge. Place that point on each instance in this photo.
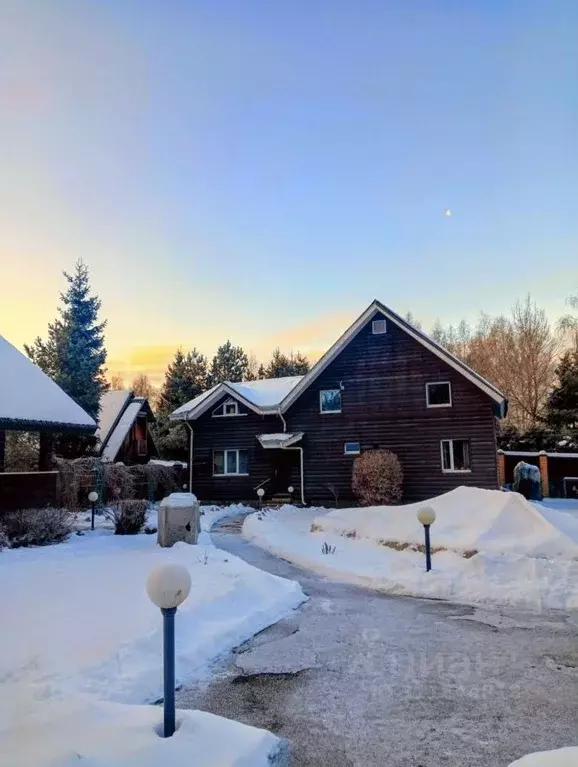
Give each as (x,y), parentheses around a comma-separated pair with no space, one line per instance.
(544,478)
(45,453)
(178,519)
(2,449)
(501,468)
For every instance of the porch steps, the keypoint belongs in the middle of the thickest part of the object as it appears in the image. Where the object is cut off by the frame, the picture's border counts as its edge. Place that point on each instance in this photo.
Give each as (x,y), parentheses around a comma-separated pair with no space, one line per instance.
(277,500)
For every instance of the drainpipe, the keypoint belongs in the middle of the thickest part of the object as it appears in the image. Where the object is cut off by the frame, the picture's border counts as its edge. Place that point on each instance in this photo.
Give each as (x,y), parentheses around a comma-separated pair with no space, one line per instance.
(284,421)
(190,457)
(302,475)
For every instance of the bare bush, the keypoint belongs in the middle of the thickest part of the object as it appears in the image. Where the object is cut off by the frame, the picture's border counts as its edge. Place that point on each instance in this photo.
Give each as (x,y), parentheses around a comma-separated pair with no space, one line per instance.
(128,517)
(377,478)
(160,480)
(114,481)
(36,527)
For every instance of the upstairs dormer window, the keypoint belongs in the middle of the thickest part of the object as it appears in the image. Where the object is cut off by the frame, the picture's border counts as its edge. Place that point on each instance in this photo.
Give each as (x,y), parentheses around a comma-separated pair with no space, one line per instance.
(378,327)
(228,408)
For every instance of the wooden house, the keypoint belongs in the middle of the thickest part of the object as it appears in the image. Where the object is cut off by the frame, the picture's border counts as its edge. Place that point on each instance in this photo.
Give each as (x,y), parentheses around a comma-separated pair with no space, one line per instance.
(383,384)
(123,434)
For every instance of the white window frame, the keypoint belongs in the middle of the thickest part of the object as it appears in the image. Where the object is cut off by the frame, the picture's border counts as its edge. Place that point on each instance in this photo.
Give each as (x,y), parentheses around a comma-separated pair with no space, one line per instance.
(379,324)
(223,414)
(351,452)
(329,412)
(451,470)
(230,473)
(438,383)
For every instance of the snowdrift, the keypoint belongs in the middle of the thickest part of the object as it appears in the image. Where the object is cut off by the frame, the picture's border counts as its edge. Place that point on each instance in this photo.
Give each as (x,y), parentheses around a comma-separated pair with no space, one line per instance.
(469,519)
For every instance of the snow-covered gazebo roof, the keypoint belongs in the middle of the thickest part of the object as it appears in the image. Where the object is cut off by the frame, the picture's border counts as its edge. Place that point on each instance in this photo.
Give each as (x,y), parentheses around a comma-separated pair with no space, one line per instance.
(31,401)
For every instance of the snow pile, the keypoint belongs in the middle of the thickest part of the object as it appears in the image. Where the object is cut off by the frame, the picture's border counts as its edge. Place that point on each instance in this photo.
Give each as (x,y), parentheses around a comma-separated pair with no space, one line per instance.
(99,734)
(564,757)
(81,629)
(211,514)
(468,519)
(489,577)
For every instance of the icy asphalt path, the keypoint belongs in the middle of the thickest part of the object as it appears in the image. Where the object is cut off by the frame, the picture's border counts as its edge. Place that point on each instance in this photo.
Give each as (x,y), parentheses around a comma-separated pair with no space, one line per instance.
(356,678)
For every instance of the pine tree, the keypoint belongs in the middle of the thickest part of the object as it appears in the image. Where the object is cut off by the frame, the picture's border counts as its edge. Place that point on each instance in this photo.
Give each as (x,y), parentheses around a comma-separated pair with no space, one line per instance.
(230,363)
(73,354)
(281,365)
(562,405)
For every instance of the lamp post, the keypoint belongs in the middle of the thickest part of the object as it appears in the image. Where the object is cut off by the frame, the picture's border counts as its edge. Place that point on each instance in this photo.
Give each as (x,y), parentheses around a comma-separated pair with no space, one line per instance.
(260,494)
(427,516)
(168,586)
(93,498)
(291,490)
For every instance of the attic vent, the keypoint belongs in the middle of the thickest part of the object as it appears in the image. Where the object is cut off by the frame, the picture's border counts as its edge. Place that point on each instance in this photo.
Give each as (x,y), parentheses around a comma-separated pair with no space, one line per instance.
(378,327)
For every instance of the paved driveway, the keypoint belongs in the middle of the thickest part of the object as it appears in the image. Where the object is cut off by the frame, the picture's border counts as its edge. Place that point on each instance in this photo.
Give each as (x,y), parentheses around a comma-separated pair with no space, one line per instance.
(356,678)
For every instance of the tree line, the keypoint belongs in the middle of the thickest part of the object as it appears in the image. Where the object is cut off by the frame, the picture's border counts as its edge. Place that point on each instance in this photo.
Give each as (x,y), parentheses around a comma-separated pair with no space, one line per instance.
(533,363)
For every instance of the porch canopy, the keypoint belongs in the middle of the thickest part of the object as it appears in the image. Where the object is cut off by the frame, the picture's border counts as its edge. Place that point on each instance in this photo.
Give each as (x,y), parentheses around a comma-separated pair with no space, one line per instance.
(280,440)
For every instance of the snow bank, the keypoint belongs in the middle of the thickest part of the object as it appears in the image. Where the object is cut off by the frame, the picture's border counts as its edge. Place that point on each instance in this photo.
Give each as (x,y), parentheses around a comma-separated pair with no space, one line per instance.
(211,514)
(564,757)
(110,735)
(80,628)
(468,519)
(487,578)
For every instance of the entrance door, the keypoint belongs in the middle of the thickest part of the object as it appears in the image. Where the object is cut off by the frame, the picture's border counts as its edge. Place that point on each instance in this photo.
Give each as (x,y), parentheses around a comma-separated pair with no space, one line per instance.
(283,462)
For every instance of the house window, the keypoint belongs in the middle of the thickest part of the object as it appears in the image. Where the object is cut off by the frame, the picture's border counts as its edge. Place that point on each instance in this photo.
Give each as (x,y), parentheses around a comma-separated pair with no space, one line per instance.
(230,407)
(378,327)
(456,455)
(352,448)
(330,401)
(228,463)
(438,394)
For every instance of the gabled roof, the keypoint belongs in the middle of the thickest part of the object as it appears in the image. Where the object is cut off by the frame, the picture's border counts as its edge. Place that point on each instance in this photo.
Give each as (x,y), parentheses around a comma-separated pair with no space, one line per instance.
(31,401)
(376,307)
(278,394)
(118,412)
(260,396)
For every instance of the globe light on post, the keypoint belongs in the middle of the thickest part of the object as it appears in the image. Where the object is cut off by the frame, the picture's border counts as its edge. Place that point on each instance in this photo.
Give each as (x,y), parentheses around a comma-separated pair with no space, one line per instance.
(167,587)
(427,516)
(260,494)
(290,489)
(93,498)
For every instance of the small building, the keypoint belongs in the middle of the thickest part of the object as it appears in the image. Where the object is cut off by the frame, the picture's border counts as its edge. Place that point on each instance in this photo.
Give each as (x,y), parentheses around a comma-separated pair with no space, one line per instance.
(123,434)
(30,401)
(384,384)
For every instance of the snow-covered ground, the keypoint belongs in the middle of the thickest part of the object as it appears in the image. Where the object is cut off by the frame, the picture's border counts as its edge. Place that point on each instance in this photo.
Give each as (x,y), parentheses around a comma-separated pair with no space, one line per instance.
(498,549)
(564,757)
(79,635)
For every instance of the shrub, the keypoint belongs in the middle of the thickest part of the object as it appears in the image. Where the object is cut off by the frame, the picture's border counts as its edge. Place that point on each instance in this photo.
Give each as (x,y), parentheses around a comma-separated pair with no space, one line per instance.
(377,478)
(36,527)
(128,517)
(77,478)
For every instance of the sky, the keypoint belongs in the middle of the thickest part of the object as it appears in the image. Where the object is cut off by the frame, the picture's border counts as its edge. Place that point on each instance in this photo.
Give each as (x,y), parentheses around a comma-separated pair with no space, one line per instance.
(261,171)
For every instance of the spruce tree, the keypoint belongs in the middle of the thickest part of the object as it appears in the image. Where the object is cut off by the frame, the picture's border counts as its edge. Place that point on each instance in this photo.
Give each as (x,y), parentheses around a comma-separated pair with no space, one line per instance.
(185,379)
(230,363)
(562,405)
(73,354)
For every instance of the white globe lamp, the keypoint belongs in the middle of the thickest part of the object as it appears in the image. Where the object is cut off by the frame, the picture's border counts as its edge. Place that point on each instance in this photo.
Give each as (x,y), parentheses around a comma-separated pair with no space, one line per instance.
(168,586)
(427,516)
(93,498)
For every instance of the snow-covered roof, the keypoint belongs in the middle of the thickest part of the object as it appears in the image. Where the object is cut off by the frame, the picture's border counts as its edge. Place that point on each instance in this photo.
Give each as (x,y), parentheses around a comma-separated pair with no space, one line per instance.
(263,395)
(112,403)
(120,431)
(280,439)
(30,400)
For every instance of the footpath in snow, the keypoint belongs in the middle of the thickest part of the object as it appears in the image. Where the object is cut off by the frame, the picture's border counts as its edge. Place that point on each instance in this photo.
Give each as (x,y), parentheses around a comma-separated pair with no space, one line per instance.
(80,637)
(490,547)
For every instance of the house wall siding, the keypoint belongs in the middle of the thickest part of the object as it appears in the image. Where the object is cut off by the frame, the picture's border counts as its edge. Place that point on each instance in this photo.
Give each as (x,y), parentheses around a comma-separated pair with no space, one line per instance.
(231,432)
(383,379)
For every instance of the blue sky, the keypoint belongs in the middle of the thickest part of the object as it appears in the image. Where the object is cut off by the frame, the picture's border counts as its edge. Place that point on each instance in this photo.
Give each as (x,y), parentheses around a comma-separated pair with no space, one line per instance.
(262,171)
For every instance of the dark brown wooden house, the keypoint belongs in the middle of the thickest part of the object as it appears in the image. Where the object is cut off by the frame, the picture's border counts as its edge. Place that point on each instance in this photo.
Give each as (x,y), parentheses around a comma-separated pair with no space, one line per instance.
(383,384)
(123,434)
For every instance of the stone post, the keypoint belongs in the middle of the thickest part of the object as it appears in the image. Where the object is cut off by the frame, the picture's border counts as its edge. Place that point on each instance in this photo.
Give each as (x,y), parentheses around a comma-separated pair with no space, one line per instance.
(501,468)
(544,478)
(178,519)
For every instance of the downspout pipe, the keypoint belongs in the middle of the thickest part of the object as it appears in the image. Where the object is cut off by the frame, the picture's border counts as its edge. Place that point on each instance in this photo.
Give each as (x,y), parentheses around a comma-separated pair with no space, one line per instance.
(190,456)
(280,414)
